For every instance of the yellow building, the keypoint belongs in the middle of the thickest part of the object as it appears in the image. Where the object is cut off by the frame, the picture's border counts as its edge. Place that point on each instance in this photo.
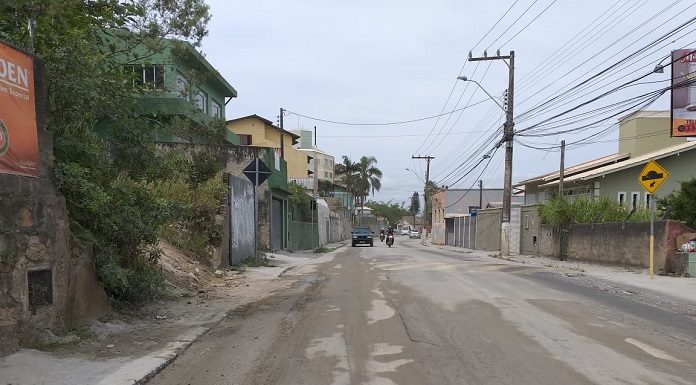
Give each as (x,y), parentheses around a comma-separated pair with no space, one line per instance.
(254,130)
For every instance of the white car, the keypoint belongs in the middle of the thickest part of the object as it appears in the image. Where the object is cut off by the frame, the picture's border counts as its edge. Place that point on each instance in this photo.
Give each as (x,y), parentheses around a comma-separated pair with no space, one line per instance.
(404,231)
(414,234)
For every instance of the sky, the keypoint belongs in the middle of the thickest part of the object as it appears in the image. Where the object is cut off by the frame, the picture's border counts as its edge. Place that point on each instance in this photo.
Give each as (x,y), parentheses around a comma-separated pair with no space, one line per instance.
(392,61)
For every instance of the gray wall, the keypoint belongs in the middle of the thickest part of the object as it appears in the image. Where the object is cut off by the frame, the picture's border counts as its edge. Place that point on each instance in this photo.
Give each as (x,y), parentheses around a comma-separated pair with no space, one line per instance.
(241,220)
(488,229)
(530,228)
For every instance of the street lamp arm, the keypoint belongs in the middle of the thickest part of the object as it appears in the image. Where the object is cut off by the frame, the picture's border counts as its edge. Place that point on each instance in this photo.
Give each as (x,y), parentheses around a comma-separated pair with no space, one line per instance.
(465,79)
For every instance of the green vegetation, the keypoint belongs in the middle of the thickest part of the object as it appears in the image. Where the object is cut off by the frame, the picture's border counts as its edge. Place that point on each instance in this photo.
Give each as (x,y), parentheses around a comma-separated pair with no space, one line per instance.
(679,205)
(562,212)
(360,178)
(121,193)
(298,196)
(391,211)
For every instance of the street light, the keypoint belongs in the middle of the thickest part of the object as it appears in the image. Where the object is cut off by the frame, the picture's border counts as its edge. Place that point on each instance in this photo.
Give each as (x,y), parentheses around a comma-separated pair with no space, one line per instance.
(465,79)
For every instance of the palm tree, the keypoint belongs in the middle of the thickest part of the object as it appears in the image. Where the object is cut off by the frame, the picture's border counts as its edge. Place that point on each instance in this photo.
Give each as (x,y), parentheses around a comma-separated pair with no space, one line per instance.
(360,178)
(370,177)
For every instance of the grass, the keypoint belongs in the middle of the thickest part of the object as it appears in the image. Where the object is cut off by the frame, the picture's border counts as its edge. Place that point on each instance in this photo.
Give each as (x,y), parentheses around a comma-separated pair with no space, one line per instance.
(39,342)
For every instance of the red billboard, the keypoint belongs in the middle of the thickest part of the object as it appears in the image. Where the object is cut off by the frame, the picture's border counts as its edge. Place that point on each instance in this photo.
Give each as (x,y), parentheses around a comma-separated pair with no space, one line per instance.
(19,147)
(683,93)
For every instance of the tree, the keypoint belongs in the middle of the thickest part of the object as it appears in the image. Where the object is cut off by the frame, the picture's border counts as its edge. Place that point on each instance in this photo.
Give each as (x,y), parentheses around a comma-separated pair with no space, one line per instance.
(114,190)
(325,188)
(415,206)
(370,177)
(391,211)
(432,189)
(679,205)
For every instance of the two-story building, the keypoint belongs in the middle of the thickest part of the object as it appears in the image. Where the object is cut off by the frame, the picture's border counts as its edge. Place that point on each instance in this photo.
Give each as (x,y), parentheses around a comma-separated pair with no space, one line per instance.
(254,130)
(175,80)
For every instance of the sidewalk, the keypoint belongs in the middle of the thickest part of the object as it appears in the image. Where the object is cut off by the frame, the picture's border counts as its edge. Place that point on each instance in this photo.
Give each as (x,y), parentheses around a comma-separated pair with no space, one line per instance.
(130,350)
(677,287)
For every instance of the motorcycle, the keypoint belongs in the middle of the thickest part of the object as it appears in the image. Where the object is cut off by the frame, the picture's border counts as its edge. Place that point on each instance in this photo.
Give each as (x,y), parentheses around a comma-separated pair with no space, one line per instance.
(381,237)
(390,240)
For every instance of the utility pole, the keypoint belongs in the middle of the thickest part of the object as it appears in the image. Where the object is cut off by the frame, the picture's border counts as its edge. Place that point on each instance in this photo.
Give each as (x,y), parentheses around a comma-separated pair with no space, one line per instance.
(508,135)
(561,170)
(282,142)
(426,218)
(480,194)
(316,166)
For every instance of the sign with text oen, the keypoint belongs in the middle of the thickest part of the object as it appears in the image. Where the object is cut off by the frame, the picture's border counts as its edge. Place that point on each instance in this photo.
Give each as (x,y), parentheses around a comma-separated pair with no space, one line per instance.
(19,147)
(683,93)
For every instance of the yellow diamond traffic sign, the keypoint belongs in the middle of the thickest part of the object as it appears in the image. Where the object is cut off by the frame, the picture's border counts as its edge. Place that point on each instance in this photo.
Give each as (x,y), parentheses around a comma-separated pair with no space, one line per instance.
(652,176)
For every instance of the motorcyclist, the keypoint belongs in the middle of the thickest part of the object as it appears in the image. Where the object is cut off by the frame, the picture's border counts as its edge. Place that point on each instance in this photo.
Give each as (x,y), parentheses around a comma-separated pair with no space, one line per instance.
(390,232)
(381,234)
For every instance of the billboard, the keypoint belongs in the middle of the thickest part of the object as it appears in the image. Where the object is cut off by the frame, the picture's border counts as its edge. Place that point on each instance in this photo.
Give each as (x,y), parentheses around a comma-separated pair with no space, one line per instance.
(19,147)
(683,93)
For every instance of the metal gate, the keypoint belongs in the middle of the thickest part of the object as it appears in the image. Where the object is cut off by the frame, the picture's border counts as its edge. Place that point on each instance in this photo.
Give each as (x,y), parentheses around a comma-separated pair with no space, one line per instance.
(276,225)
(242,234)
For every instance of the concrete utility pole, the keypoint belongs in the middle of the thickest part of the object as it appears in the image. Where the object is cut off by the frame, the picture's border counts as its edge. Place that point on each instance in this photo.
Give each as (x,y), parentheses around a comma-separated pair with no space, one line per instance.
(426,218)
(508,134)
(282,142)
(561,169)
(316,166)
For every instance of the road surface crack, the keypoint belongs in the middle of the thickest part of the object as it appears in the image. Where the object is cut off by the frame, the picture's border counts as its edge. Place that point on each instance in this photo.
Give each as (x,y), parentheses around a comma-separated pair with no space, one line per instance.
(403,322)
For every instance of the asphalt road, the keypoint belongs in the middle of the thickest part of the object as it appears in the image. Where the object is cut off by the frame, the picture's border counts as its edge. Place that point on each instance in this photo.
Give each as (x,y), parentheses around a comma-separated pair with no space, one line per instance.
(419,315)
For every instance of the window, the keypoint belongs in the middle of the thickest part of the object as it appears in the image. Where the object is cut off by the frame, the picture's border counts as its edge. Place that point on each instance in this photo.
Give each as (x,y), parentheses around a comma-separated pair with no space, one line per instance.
(150,77)
(182,86)
(648,200)
(596,189)
(526,221)
(635,198)
(202,101)
(244,140)
(621,198)
(326,174)
(217,110)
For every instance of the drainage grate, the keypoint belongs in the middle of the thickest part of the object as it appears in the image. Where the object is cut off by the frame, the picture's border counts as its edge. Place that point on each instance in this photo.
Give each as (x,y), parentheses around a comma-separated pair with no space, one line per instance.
(40,288)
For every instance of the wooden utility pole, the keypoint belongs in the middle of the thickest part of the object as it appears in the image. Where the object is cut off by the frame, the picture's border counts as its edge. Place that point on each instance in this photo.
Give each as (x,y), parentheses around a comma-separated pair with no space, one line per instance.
(426,217)
(508,135)
(561,170)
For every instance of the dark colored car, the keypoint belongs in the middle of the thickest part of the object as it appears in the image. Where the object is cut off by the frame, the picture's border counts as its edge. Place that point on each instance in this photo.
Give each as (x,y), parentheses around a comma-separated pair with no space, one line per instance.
(362,235)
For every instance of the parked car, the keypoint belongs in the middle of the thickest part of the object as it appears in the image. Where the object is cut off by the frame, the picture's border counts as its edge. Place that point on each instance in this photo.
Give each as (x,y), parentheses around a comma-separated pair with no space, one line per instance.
(414,234)
(362,235)
(405,231)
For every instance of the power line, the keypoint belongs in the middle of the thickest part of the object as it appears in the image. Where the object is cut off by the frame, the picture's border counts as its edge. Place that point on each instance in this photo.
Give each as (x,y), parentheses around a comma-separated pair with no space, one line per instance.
(385,123)
(475,180)
(528,24)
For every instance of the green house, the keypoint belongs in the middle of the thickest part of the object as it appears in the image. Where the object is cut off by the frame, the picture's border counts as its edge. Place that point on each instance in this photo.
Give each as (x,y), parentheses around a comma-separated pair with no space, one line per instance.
(175,80)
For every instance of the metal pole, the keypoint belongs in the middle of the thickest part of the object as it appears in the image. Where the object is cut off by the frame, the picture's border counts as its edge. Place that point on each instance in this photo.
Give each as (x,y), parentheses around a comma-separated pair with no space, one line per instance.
(561,170)
(316,166)
(651,208)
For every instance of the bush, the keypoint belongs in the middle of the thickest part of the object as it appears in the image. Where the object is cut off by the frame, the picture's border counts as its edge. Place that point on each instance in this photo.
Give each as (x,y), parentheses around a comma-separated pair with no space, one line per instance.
(192,224)
(562,212)
(679,205)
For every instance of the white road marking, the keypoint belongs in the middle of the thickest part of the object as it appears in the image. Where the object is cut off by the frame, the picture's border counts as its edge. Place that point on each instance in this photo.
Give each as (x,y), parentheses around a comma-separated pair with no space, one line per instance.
(655,352)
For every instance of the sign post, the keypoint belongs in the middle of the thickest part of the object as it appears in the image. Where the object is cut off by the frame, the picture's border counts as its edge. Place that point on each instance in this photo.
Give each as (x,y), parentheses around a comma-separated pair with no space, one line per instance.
(257,172)
(651,178)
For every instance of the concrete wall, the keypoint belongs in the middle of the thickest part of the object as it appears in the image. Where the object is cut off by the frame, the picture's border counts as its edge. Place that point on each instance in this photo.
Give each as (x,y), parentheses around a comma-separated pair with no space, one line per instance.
(625,244)
(488,229)
(530,230)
